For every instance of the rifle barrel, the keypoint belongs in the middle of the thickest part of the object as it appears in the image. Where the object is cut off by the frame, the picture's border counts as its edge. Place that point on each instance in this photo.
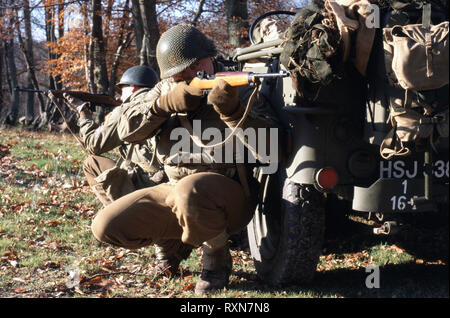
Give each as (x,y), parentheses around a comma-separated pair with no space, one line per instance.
(84,96)
(270,75)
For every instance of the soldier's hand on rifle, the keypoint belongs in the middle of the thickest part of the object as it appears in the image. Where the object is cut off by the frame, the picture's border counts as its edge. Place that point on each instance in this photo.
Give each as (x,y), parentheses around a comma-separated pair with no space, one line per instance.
(183,98)
(77,105)
(224,98)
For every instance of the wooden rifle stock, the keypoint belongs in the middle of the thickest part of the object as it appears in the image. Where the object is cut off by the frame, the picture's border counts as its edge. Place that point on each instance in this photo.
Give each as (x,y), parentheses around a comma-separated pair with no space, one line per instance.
(206,82)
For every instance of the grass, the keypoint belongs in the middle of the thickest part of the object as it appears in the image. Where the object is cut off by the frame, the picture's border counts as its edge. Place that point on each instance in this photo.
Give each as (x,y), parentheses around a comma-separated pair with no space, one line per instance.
(46,209)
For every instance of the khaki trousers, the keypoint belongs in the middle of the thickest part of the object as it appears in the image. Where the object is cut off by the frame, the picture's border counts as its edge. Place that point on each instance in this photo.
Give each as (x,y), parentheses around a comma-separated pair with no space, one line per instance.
(196,209)
(93,166)
(117,183)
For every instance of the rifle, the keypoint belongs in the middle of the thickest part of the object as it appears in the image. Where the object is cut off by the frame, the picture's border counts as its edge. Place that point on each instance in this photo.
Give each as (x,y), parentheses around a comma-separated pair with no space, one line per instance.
(84,96)
(204,81)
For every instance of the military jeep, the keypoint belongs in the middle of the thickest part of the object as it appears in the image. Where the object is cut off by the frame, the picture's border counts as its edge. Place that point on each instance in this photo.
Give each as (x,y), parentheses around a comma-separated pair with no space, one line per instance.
(332,148)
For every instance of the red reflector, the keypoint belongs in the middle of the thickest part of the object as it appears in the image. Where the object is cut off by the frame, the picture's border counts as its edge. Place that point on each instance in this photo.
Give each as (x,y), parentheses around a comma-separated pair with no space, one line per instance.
(327,178)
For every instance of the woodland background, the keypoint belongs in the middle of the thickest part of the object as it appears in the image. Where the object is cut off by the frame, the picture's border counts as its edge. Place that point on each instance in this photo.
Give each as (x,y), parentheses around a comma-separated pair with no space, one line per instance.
(88,44)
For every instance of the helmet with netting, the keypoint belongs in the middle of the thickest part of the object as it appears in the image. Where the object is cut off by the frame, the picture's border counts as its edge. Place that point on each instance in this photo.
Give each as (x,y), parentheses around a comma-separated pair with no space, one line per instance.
(181,46)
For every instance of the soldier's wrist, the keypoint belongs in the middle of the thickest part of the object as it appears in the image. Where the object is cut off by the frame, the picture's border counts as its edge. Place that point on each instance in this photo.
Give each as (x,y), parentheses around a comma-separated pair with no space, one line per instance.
(158,110)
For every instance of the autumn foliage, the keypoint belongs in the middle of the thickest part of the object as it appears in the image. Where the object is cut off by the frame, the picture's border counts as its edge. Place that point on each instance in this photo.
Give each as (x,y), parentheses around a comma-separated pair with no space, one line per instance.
(69,44)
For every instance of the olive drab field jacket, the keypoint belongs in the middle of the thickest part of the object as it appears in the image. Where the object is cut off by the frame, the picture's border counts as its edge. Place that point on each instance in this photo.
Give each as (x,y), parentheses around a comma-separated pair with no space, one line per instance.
(139,123)
(99,139)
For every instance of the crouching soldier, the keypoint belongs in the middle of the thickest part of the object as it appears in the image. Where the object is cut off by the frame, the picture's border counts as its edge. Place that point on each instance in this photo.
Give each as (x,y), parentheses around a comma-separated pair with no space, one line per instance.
(206,198)
(136,168)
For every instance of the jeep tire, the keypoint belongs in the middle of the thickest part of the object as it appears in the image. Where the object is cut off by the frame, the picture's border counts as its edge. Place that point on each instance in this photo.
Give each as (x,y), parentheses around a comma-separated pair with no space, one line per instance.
(287,231)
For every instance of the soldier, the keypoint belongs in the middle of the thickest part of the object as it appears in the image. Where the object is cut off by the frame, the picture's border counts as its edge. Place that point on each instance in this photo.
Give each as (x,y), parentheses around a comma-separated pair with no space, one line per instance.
(136,169)
(109,180)
(203,202)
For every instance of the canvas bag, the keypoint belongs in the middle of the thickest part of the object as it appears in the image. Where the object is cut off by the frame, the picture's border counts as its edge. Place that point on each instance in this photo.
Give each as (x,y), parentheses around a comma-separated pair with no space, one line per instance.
(416,59)
(417,54)
(408,125)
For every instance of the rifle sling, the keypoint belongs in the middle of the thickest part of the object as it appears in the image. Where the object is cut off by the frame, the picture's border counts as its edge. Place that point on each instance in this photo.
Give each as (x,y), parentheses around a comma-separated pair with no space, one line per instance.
(52,98)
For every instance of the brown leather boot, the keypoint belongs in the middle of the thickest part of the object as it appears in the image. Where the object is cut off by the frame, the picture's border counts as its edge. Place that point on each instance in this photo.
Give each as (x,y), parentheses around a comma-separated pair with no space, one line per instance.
(217,265)
(169,254)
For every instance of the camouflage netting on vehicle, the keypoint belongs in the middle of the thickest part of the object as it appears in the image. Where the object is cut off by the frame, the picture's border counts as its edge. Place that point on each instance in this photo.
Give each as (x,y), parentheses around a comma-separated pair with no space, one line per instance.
(312,50)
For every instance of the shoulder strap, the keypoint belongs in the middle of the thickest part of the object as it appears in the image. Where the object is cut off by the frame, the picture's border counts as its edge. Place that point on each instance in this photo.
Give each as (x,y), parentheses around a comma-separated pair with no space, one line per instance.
(426,16)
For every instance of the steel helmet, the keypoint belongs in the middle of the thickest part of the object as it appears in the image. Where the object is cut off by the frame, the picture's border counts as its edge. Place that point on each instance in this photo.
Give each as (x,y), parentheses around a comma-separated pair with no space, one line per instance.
(181,46)
(140,75)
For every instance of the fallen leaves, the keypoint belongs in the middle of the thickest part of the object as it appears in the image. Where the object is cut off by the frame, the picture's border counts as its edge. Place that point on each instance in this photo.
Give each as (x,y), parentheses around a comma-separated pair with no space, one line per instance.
(9,254)
(4,150)
(20,290)
(52,264)
(352,261)
(53,223)
(190,286)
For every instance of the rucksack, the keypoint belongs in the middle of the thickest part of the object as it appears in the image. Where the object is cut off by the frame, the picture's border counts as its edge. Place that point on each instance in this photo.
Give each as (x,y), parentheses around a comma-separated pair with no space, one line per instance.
(416,60)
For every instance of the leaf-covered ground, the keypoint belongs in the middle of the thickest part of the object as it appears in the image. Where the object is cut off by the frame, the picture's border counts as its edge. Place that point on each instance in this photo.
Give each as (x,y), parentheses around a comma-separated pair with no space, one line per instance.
(47,250)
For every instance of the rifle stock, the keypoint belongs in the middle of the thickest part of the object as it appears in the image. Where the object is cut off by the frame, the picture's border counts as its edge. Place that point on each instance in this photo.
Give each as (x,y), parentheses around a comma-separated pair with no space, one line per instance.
(84,96)
(206,82)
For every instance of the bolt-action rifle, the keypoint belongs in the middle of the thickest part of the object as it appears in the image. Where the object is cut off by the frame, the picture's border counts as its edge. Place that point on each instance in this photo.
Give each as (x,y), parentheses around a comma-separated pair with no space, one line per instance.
(204,81)
(97,99)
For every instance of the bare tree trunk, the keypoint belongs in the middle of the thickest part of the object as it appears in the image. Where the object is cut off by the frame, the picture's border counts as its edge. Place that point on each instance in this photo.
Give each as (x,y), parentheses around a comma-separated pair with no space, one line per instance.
(13,83)
(50,36)
(107,14)
(60,18)
(144,13)
(98,54)
(237,21)
(151,31)
(2,57)
(27,46)
(12,75)
(123,42)
(138,27)
(27,49)
(49,109)
(87,56)
(98,49)
(1,78)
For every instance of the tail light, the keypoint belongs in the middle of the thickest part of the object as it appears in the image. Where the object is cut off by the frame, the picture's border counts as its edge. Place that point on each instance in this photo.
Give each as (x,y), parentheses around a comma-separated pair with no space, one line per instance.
(327,178)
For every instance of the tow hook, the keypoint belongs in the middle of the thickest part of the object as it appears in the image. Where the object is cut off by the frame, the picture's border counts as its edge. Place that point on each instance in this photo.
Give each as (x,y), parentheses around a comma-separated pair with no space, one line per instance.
(389,227)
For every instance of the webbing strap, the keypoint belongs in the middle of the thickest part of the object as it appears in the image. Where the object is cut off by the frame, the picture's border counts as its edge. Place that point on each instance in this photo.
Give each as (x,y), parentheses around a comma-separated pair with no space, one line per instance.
(426,15)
